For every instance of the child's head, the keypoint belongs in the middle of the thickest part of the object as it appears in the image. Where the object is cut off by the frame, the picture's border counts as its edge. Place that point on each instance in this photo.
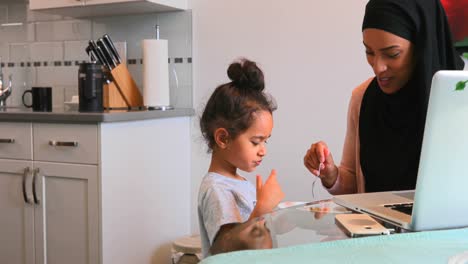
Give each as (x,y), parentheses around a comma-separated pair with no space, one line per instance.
(237,119)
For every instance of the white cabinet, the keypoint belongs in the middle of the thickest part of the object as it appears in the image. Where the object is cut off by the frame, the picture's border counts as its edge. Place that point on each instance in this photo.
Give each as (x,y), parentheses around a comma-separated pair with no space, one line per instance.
(66,143)
(49,209)
(41,4)
(16,141)
(16,213)
(66,220)
(91,8)
(93,193)
(49,213)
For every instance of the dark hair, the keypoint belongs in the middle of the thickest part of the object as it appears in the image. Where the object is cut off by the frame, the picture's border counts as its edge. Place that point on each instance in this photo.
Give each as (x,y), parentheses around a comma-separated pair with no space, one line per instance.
(233,104)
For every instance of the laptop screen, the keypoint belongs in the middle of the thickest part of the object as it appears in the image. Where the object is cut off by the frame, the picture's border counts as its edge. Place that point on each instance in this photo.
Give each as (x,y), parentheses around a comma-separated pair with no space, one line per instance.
(440,200)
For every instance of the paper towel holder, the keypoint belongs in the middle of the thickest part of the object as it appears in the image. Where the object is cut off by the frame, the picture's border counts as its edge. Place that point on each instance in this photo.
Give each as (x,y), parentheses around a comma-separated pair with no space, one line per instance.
(161,107)
(165,107)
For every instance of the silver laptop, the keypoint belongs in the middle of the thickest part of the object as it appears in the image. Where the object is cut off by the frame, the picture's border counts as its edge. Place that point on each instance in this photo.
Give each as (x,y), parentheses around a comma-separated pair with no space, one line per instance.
(440,200)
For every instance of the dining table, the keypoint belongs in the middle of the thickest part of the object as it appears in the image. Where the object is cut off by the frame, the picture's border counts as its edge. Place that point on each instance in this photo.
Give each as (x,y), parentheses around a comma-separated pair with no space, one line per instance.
(306,232)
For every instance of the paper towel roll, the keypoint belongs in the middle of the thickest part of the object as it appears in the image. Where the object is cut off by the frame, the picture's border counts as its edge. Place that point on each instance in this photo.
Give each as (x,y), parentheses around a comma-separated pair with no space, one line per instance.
(155,73)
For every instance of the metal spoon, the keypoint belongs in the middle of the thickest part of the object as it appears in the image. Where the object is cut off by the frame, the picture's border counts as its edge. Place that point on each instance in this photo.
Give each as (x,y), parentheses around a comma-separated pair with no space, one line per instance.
(318,175)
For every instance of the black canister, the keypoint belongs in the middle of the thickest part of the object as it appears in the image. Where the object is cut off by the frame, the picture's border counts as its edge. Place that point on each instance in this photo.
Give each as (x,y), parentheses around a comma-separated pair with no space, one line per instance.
(90,83)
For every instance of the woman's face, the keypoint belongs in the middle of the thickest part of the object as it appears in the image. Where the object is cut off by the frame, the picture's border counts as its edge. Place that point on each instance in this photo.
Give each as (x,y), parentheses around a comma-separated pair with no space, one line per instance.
(391,57)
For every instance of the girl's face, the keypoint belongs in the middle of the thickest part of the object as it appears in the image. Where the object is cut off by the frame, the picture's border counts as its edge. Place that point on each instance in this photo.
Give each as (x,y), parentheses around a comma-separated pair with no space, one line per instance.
(247,150)
(391,57)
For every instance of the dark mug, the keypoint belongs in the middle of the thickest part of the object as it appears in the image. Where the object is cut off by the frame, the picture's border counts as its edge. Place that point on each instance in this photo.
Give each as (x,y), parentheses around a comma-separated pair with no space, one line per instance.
(41,99)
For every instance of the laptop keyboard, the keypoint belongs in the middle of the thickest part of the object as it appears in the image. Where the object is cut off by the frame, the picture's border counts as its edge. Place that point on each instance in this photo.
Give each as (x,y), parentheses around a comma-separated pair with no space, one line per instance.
(406,208)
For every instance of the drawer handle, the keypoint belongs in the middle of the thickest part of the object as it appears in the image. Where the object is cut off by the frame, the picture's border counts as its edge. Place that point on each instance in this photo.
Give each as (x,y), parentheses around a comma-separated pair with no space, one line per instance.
(26,197)
(55,143)
(7,140)
(36,199)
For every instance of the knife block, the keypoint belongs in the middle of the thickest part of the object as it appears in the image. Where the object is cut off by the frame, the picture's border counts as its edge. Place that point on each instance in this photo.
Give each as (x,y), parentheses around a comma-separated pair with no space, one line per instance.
(126,86)
(112,97)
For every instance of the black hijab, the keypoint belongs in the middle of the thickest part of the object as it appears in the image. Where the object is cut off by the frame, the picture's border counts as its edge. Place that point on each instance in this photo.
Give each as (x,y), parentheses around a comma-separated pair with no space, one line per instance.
(391,126)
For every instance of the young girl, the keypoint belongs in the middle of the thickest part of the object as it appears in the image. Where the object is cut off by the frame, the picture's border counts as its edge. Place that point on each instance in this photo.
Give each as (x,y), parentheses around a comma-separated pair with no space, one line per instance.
(236,123)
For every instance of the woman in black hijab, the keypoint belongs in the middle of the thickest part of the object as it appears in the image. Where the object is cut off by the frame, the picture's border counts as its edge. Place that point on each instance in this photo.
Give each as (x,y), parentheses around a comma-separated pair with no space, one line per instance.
(406,42)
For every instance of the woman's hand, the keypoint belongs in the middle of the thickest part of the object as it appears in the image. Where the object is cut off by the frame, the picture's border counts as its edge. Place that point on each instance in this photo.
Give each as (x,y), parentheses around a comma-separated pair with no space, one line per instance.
(319,155)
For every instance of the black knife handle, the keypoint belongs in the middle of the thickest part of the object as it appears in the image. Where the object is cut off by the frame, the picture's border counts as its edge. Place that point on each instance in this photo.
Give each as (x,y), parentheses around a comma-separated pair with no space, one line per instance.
(107,53)
(110,44)
(106,60)
(99,54)
(91,54)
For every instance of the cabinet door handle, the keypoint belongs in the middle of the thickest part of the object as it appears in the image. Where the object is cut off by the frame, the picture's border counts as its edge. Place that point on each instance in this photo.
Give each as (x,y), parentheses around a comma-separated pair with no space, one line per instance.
(36,199)
(7,140)
(55,143)
(27,171)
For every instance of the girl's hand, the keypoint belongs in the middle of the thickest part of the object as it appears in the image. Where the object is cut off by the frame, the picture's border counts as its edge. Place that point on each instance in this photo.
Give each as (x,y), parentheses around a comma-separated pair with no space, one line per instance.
(269,194)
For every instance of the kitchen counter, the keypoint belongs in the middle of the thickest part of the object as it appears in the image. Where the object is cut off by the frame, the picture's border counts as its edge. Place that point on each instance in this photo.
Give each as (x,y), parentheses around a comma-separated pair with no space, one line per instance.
(20,114)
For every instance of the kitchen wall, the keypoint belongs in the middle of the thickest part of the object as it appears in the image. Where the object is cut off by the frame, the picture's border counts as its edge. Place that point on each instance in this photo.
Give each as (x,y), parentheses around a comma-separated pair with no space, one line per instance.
(312,56)
(47,48)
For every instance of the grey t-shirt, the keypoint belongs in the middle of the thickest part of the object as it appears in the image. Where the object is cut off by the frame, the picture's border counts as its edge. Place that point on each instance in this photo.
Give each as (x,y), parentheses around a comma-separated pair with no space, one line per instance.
(222,200)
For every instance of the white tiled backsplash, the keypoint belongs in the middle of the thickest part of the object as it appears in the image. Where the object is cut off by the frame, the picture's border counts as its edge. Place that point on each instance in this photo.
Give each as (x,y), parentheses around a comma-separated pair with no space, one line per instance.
(47,48)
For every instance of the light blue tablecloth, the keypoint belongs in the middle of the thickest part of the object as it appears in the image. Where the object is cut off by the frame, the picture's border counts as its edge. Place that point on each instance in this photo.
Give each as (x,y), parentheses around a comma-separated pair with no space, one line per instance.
(448,246)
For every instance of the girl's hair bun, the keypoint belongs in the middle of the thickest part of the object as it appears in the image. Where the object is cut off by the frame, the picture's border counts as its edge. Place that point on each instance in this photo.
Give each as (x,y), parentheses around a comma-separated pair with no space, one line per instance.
(246,75)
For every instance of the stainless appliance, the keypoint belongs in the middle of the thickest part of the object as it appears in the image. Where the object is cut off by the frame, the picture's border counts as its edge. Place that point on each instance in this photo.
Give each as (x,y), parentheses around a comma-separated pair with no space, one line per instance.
(5,90)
